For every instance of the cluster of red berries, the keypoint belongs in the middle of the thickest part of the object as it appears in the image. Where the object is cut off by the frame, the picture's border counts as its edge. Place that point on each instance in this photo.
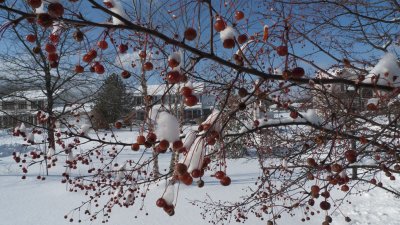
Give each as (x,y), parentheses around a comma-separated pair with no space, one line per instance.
(189,98)
(175,77)
(211,134)
(182,174)
(54,10)
(168,208)
(223,178)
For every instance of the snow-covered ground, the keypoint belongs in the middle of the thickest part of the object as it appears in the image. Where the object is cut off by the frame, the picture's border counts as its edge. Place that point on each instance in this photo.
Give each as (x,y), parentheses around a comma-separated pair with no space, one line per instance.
(46,202)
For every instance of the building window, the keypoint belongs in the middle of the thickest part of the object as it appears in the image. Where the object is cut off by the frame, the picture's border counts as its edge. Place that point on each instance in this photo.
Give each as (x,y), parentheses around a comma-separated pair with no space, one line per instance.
(196,113)
(138,100)
(139,115)
(22,105)
(8,105)
(37,105)
(366,93)
(188,114)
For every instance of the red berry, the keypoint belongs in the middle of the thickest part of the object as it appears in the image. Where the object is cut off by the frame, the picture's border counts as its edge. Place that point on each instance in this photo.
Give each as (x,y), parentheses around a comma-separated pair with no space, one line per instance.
(336,168)
(191,100)
(173,63)
(190,34)
(151,137)
(196,173)
(148,66)
(164,144)
(86,58)
(92,54)
(180,169)
(140,139)
(54,38)
(282,50)
(225,181)
(31,19)
(118,125)
(123,48)
(52,57)
(345,188)
(351,156)
(256,123)
(325,205)
(242,38)
(186,91)
(239,15)
(102,44)
(173,77)
(142,54)
(372,106)
(99,69)
(229,43)
(311,162)
(294,114)
(55,9)
(315,189)
(54,64)
(78,36)
(219,25)
(177,145)
(219,175)
(135,147)
(125,74)
(35,3)
(108,4)
(298,72)
(169,209)
(31,38)
(44,20)
(186,179)
(50,48)
(161,202)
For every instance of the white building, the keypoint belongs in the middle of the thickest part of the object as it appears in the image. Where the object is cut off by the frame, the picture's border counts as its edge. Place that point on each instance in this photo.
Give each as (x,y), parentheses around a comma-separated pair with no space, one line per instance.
(21,106)
(170,97)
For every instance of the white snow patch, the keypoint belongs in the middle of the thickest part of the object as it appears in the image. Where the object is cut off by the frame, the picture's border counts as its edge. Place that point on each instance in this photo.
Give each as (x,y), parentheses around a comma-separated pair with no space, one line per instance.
(189,139)
(117,9)
(85,129)
(373,101)
(211,120)
(227,33)
(169,194)
(50,153)
(167,127)
(22,128)
(194,159)
(385,72)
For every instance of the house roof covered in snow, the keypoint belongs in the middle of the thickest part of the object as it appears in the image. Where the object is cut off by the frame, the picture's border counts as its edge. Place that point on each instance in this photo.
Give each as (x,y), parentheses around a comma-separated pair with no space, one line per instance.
(159,89)
(78,108)
(385,72)
(29,95)
(338,72)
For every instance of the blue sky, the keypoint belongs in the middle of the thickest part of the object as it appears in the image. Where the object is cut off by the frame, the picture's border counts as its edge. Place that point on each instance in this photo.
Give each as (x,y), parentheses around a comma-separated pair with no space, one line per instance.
(257,15)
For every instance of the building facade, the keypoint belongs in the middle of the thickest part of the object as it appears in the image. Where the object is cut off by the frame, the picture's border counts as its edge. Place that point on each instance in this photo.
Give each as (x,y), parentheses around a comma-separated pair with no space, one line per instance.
(169,97)
(21,106)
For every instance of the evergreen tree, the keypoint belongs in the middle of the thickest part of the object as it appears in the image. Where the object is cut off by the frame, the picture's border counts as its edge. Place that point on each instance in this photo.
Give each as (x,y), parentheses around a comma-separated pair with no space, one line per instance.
(113,102)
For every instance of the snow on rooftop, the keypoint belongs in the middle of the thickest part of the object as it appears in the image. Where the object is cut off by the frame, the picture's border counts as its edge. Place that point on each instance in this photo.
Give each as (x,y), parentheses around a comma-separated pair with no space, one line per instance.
(159,89)
(29,95)
(385,72)
(337,72)
(81,108)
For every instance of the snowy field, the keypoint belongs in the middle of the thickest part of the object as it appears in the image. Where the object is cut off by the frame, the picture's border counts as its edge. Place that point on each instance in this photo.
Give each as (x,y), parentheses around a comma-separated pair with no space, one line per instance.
(33,202)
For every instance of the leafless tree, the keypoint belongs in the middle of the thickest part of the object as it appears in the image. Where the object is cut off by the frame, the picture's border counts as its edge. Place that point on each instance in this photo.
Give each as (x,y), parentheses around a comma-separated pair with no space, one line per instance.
(257,57)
